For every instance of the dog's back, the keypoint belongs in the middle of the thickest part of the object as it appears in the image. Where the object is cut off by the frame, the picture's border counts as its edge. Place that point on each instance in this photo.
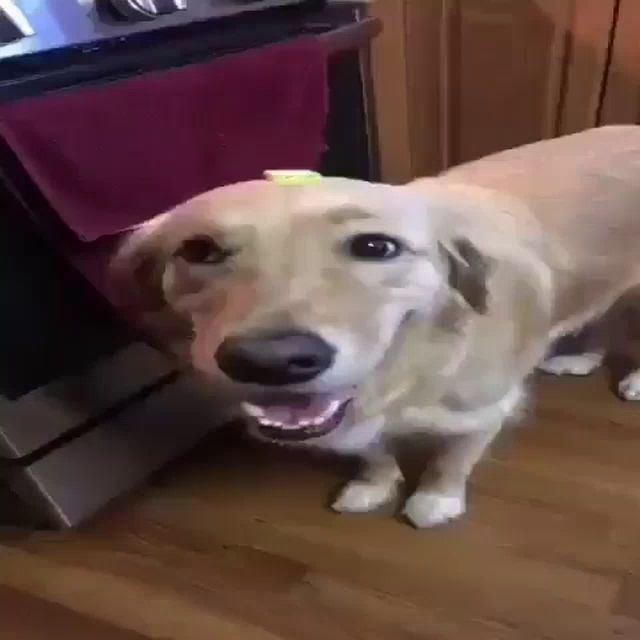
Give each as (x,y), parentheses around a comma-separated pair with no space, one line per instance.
(584,192)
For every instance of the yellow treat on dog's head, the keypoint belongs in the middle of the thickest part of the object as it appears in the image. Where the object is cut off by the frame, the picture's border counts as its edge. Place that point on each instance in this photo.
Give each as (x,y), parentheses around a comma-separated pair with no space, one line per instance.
(293,176)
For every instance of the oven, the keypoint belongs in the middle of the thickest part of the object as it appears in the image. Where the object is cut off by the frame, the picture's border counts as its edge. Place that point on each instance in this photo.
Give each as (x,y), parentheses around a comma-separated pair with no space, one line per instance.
(87,408)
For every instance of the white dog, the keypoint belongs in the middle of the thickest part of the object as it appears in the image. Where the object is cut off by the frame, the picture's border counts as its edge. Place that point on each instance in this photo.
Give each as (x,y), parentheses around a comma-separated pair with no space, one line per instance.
(347,314)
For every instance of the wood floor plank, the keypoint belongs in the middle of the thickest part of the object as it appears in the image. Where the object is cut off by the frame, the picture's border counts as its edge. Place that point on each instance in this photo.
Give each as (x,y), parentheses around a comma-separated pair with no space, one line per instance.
(26,617)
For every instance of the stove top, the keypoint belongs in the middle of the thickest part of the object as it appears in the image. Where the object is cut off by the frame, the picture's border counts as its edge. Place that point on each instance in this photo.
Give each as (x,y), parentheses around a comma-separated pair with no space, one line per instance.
(77,23)
(42,38)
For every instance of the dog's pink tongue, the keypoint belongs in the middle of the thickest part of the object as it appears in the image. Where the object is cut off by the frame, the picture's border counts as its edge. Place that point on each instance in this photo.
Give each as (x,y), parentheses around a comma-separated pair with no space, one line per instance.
(295,409)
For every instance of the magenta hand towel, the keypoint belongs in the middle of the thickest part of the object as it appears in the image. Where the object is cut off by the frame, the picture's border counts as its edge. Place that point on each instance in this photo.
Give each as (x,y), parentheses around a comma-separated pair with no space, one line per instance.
(108,158)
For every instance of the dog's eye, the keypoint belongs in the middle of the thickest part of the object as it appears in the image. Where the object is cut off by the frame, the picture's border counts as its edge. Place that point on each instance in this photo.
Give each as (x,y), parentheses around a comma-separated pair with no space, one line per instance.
(374,246)
(202,250)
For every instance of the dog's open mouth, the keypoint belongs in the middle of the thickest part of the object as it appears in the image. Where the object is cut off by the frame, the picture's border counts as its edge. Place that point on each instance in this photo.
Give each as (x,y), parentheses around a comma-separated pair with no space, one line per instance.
(296,417)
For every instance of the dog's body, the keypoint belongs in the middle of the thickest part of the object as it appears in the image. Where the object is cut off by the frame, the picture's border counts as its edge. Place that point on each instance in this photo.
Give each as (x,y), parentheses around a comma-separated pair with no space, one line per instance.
(573,185)
(347,314)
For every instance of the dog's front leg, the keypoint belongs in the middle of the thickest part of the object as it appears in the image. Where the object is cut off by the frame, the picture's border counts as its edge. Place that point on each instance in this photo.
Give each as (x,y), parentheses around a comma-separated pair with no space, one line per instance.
(376,485)
(441,493)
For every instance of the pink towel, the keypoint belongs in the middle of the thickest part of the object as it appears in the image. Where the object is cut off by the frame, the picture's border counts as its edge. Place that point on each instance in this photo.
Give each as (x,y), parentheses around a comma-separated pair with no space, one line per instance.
(111,157)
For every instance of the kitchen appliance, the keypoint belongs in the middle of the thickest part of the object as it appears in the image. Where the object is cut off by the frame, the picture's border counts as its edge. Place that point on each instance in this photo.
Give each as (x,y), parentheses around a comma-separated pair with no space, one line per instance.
(87,408)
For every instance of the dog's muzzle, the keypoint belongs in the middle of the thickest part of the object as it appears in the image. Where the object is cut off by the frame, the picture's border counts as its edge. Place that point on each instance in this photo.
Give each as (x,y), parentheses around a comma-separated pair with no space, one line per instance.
(270,362)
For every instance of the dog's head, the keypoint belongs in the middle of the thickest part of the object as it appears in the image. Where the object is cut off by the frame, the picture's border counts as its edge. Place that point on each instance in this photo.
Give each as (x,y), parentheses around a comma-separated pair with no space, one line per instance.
(295,293)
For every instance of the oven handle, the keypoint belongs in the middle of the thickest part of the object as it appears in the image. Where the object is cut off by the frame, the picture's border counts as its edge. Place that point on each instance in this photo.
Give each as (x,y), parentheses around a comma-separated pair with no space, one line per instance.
(353,36)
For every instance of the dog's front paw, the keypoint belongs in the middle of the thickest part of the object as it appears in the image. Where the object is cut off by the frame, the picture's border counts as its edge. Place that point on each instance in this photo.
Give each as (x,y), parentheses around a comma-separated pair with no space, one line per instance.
(360,496)
(579,364)
(430,508)
(629,388)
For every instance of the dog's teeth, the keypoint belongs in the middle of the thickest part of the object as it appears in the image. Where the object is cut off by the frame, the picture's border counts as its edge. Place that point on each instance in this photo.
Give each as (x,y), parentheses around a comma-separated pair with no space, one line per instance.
(330,410)
(265,422)
(252,410)
(259,414)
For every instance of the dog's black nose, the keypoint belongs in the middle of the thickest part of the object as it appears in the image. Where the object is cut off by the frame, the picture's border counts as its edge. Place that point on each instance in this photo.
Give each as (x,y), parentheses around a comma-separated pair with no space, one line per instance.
(275,359)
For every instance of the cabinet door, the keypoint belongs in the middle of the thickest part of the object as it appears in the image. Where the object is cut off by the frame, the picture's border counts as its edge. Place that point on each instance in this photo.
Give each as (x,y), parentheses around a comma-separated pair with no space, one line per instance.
(621,101)
(458,79)
(503,73)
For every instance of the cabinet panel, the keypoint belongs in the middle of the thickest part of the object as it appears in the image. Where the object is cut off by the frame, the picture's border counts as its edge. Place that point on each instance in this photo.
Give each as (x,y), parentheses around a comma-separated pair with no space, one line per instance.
(505,72)
(389,65)
(427,85)
(458,79)
(621,102)
(588,40)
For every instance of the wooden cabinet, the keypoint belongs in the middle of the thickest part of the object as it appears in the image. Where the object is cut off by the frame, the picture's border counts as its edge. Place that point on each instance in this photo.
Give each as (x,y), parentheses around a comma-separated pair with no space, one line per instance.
(457,79)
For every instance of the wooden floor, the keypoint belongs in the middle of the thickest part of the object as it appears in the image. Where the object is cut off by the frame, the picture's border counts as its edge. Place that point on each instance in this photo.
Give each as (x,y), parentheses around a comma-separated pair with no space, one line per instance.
(236,543)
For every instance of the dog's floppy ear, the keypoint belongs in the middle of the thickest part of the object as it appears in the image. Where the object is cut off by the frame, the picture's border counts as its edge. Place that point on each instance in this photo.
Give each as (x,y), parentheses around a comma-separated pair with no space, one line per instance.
(137,269)
(468,272)
(136,274)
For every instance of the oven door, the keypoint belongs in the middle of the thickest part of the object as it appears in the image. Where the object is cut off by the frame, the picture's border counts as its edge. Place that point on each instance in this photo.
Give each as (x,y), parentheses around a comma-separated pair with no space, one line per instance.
(345,28)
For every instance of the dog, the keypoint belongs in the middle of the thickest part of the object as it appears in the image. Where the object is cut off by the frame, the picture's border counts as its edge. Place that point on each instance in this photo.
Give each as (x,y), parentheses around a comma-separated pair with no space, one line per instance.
(345,315)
